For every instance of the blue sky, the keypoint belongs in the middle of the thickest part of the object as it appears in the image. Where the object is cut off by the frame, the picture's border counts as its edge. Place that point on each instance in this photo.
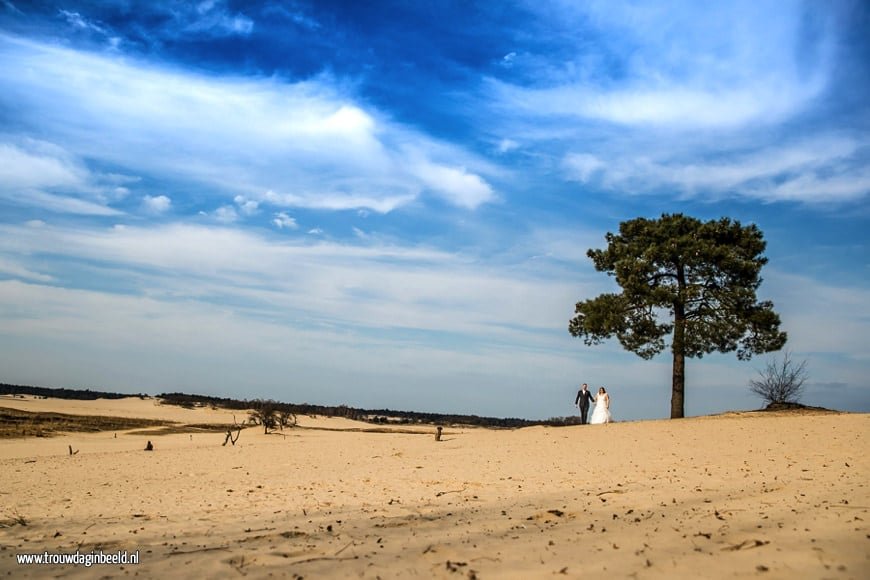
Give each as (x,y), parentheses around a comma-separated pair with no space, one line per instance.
(389,204)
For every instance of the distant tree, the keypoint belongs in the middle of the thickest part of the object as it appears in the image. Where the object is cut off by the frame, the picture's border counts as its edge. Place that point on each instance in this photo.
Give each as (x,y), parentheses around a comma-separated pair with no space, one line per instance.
(286,419)
(693,280)
(781,380)
(265,413)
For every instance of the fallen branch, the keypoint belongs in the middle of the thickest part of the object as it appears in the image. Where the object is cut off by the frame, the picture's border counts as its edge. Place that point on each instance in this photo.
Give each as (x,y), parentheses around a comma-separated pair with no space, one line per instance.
(212,549)
(319,558)
(746,544)
(440,493)
(349,544)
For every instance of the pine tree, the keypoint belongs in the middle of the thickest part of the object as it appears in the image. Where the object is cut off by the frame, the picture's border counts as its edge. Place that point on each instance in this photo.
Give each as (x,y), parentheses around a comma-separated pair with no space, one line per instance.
(693,281)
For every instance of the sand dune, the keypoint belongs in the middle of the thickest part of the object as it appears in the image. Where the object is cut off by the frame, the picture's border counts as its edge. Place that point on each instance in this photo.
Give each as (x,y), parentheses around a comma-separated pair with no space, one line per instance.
(739,495)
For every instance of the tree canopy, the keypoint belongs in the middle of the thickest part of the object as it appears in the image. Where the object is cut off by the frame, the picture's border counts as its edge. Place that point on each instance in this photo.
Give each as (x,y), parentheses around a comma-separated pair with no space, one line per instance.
(692,281)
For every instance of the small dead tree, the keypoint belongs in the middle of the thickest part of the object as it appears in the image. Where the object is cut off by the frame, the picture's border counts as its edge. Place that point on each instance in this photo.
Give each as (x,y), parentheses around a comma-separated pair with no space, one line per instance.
(781,380)
(229,436)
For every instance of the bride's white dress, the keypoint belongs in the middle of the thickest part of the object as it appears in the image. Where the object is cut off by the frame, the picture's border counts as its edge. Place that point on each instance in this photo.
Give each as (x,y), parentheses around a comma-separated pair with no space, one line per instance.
(601,414)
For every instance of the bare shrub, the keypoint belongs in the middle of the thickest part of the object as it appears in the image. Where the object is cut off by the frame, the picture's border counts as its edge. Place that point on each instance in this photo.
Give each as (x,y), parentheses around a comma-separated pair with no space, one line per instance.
(286,419)
(781,380)
(265,413)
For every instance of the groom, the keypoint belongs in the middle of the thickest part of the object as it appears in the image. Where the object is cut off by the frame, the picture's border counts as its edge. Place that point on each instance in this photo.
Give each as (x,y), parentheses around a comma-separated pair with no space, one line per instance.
(584,397)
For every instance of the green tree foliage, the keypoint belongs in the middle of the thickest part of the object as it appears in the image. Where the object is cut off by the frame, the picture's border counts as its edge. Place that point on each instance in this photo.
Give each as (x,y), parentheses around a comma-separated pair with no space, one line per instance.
(681,278)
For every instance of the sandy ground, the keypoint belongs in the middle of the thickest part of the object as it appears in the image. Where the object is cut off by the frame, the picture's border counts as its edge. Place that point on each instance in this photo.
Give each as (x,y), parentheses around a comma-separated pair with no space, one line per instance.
(738,495)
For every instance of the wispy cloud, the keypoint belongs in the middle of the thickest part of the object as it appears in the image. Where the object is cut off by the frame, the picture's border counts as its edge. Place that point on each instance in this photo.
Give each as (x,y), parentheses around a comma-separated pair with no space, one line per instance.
(17,270)
(678,64)
(36,165)
(825,168)
(39,174)
(212,17)
(409,287)
(77,21)
(846,310)
(288,144)
(667,106)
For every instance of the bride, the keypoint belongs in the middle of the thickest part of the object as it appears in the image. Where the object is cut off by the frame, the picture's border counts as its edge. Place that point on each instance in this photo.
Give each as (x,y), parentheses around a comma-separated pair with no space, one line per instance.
(601,414)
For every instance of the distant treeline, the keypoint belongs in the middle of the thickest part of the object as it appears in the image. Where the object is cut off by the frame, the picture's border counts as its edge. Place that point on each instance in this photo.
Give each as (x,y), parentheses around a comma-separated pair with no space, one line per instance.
(370,415)
(78,394)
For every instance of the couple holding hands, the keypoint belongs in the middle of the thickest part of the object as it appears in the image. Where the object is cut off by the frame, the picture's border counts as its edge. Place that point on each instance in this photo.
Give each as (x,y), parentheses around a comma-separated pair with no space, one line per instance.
(601,414)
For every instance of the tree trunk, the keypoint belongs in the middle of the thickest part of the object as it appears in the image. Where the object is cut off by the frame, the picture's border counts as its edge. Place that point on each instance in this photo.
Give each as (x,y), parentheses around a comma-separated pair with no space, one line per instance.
(678,386)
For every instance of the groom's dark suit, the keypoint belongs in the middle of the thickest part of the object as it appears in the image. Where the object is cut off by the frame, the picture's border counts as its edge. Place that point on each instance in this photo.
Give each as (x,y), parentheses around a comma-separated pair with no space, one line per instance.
(584,398)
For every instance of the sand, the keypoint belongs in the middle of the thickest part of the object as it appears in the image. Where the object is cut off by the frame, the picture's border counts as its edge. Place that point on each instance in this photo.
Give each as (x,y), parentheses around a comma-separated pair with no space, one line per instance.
(738,495)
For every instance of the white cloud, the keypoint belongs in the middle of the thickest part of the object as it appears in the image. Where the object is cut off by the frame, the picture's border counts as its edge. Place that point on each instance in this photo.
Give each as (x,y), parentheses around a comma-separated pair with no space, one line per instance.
(16,269)
(823,168)
(157,204)
(282,220)
(41,174)
(404,286)
(62,204)
(817,187)
(246,206)
(672,107)
(226,214)
(307,143)
(680,64)
(582,166)
(38,165)
(454,184)
(338,201)
(315,232)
